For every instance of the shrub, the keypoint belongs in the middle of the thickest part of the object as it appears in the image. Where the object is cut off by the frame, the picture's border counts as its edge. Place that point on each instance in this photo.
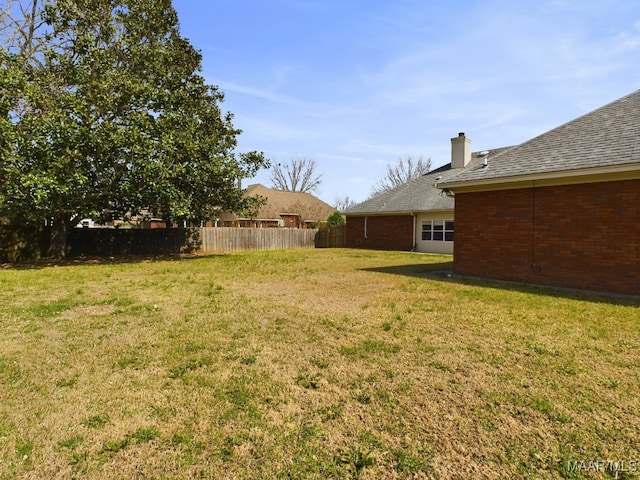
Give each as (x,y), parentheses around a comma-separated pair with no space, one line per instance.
(335,219)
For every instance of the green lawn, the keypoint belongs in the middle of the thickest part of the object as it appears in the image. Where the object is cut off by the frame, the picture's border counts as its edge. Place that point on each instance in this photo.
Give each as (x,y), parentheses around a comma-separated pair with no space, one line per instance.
(310,364)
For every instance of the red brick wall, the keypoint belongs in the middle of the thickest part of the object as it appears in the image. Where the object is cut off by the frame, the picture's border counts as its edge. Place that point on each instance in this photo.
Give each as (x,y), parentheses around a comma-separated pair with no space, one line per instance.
(579,236)
(388,232)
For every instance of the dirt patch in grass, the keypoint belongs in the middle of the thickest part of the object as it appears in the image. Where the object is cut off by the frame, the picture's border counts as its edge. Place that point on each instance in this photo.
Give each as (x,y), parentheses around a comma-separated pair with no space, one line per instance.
(85,311)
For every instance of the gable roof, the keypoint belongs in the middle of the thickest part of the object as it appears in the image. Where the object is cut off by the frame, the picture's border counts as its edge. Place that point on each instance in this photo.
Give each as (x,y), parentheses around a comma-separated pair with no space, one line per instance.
(604,141)
(280,202)
(417,195)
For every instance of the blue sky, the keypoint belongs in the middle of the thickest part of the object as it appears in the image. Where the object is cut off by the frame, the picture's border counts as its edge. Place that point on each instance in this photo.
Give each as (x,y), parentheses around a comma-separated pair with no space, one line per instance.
(356,85)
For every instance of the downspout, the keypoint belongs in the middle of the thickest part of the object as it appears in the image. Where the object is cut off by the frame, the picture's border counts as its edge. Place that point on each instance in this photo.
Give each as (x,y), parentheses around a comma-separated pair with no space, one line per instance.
(415,242)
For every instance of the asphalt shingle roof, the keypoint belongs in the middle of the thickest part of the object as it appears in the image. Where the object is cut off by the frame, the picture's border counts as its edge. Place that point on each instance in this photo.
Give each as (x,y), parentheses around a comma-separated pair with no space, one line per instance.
(606,137)
(283,202)
(416,195)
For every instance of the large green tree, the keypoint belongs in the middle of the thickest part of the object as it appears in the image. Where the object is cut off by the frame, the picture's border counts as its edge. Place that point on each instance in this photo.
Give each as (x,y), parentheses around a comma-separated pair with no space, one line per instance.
(109,116)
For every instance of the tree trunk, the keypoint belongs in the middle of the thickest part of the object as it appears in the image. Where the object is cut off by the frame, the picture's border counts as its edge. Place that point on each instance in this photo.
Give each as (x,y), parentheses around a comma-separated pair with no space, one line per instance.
(58,240)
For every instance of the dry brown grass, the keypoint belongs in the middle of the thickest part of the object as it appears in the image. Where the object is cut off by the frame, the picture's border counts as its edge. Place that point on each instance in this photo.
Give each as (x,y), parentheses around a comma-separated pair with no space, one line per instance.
(310,364)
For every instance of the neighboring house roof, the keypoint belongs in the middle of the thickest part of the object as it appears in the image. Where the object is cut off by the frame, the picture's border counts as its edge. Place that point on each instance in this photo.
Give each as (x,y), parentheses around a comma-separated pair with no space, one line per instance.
(604,141)
(417,195)
(280,202)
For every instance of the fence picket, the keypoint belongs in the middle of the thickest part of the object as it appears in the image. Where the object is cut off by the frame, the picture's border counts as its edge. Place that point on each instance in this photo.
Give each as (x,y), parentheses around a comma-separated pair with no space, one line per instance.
(233,239)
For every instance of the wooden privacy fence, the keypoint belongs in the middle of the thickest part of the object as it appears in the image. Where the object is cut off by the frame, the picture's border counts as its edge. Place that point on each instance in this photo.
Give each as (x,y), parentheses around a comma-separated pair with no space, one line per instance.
(231,239)
(132,241)
(24,244)
(331,237)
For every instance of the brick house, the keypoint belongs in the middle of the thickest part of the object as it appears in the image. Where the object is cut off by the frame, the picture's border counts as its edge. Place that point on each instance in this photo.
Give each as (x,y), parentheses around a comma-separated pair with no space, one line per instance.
(414,216)
(282,209)
(562,209)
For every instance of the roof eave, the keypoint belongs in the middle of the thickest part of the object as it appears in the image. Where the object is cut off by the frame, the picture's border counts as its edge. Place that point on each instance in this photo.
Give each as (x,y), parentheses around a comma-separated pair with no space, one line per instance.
(628,171)
(415,211)
(377,212)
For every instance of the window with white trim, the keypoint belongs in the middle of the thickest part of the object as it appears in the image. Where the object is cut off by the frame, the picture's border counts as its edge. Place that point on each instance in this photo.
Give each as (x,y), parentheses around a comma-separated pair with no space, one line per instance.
(437,230)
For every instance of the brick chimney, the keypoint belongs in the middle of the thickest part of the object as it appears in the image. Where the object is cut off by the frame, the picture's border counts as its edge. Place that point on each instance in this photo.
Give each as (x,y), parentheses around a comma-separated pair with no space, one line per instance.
(460,151)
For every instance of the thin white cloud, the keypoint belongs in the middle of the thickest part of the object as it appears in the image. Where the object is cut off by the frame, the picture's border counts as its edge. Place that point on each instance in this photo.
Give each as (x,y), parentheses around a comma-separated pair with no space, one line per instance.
(359,180)
(627,41)
(263,94)
(341,158)
(268,128)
